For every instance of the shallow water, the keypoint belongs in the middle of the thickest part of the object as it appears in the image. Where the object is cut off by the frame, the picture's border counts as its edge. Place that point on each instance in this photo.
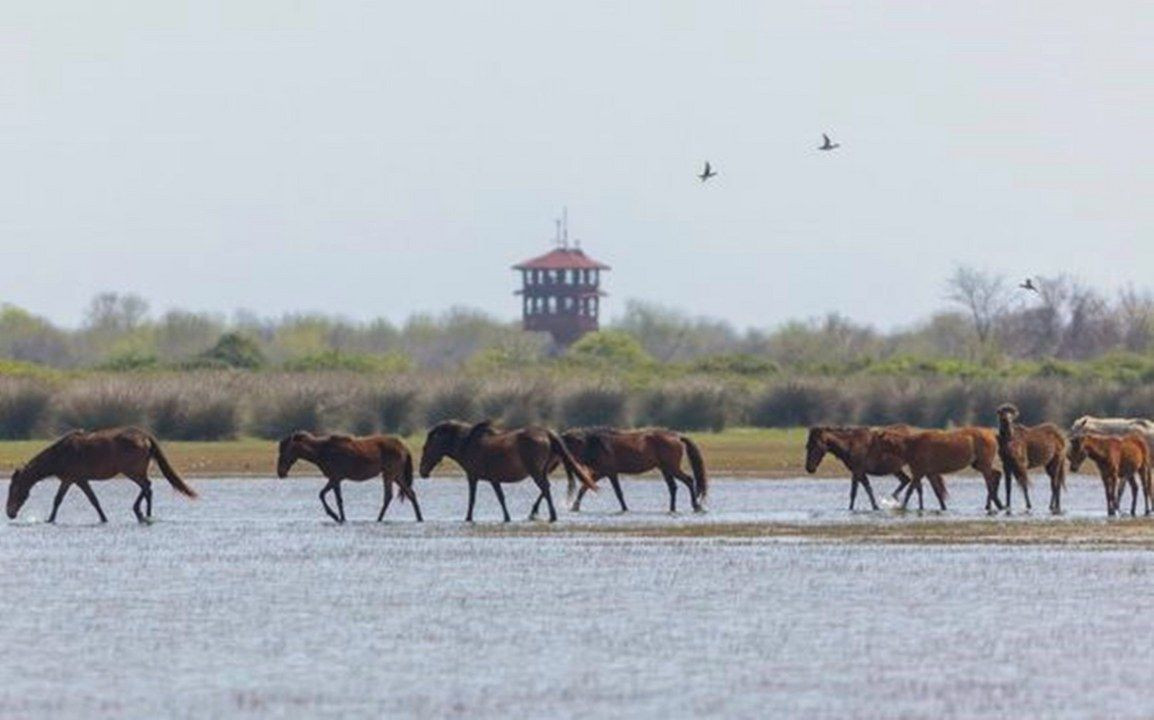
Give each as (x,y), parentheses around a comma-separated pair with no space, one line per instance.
(249,602)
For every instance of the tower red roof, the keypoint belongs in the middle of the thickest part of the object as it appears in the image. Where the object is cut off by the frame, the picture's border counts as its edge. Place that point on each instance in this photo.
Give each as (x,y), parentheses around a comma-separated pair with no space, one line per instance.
(562,259)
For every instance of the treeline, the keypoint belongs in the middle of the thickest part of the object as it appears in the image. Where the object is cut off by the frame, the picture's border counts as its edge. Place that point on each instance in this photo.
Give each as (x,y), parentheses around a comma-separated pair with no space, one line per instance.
(219,405)
(993,329)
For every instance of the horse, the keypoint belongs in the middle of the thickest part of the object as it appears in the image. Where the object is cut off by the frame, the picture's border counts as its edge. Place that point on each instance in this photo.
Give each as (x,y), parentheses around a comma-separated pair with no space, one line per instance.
(934,453)
(1119,458)
(609,452)
(485,453)
(343,457)
(1022,447)
(79,457)
(857,449)
(1114,426)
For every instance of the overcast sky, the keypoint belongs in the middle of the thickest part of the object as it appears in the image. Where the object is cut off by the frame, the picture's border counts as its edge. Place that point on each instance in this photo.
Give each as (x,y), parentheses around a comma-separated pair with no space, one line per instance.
(382,158)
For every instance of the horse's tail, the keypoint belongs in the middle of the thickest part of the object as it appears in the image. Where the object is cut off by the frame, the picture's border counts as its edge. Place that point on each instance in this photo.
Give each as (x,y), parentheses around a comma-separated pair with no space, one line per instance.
(572,467)
(167,470)
(700,478)
(407,477)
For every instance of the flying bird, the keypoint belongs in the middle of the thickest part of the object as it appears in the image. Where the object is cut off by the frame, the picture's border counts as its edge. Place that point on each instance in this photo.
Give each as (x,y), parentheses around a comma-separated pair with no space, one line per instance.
(1029,285)
(826,144)
(707,173)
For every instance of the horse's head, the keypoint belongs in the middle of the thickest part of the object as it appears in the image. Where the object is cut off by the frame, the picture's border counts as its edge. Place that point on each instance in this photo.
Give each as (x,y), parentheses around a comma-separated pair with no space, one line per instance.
(1076,453)
(1008,412)
(816,446)
(442,440)
(18,490)
(289,453)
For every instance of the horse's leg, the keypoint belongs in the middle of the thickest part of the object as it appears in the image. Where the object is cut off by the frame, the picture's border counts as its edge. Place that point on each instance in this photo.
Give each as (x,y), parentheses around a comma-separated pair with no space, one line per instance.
(145,495)
(1108,486)
(938,484)
(472,498)
(340,499)
(328,510)
(60,492)
(388,498)
(616,483)
(537,505)
(669,483)
(852,490)
(543,485)
(500,498)
(411,494)
(87,490)
(575,507)
(689,485)
(903,482)
(921,496)
(1055,488)
(914,480)
(865,481)
(1133,494)
(1009,468)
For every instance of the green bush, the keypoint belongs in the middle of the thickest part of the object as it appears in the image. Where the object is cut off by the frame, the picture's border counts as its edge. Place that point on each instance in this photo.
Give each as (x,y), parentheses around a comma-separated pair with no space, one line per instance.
(799,404)
(282,415)
(99,408)
(392,410)
(232,350)
(693,408)
(520,406)
(181,417)
(333,360)
(24,410)
(457,402)
(592,406)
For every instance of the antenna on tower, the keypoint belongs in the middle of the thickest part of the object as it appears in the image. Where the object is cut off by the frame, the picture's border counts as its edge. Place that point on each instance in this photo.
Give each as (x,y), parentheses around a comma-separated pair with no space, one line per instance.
(565,227)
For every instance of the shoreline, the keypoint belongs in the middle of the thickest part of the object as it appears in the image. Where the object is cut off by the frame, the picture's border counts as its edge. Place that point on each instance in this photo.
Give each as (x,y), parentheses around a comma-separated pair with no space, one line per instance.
(738,453)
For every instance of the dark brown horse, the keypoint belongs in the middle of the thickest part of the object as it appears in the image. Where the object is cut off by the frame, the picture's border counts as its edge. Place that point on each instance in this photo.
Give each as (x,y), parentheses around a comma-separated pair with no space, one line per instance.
(857,448)
(343,457)
(485,453)
(80,457)
(1022,447)
(934,453)
(608,452)
(1119,459)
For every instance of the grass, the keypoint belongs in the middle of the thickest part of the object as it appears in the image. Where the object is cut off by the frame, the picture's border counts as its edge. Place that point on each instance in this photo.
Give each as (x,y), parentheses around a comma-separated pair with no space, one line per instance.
(738,452)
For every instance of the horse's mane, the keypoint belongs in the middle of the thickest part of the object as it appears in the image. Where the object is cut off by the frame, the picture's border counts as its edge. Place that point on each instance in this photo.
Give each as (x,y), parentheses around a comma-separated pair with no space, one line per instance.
(595,431)
(485,427)
(52,450)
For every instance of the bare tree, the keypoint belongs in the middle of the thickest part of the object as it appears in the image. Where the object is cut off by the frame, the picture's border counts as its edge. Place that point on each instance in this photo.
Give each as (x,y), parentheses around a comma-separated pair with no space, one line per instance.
(1136,315)
(984,295)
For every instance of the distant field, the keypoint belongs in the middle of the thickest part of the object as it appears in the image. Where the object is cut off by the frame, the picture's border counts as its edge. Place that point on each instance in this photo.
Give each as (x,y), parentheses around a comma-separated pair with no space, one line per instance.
(737,452)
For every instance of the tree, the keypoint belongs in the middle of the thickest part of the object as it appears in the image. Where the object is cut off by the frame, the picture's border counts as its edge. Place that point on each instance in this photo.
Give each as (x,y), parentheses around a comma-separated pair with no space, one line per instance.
(984,296)
(611,348)
(235,351)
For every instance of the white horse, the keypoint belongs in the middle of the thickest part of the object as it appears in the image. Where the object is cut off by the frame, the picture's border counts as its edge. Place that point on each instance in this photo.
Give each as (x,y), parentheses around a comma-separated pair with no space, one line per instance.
(1114,426)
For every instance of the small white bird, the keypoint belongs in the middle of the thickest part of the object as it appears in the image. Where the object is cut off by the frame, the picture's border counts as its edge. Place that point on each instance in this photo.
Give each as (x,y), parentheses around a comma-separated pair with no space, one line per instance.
(826,144)
(707,173)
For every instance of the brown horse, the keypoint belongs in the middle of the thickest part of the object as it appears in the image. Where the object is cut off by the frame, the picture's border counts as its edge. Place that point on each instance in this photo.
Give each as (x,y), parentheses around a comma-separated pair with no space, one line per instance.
(934,453)
(857,448)
(342,457)
(609,452)
(1022,447)
(1119,459)
(484,453)
(79,457)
